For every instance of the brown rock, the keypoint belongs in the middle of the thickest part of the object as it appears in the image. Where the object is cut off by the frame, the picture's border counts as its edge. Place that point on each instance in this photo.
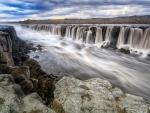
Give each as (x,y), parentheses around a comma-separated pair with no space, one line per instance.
(20,73)
(34,82)
(26,86)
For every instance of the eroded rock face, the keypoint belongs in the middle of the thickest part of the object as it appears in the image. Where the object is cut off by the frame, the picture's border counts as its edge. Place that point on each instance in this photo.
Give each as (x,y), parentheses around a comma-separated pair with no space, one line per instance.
(96,96)
(13,100)
(5,49)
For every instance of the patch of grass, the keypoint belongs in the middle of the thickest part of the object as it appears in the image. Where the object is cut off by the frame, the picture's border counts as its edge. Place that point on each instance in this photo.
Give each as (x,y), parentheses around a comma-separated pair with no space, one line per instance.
(56,107)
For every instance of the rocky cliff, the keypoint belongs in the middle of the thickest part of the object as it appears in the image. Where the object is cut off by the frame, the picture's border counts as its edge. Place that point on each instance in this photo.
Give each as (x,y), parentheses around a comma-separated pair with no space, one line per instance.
(21,78)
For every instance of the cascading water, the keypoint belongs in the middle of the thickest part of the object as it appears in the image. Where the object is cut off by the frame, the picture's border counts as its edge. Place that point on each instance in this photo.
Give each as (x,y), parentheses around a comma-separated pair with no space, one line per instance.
(79,33)
(135,37)
(73,33)
(99,38)
(68,34)
(145,41)
(121,37)
(108,33)
(65,57)
(89,37)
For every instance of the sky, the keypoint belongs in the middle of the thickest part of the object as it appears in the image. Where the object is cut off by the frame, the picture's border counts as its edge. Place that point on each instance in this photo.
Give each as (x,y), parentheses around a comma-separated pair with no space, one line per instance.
(18,10)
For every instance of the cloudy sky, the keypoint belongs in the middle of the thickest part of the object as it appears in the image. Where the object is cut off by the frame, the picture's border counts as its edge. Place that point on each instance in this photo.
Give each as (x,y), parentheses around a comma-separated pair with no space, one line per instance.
(59,9)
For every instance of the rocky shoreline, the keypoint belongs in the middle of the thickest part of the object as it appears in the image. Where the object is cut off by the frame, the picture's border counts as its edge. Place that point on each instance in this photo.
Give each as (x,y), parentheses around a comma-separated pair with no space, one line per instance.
(26,88)
(26,72)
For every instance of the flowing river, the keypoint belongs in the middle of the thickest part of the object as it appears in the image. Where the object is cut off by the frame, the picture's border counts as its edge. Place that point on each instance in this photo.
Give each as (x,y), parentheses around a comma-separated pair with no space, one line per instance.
(77,56)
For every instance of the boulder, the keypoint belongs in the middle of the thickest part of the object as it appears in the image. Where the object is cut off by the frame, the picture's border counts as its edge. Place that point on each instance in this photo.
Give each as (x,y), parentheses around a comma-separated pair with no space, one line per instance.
(20,73)
(13,100)
(26,86)
(96,96)
(126,51)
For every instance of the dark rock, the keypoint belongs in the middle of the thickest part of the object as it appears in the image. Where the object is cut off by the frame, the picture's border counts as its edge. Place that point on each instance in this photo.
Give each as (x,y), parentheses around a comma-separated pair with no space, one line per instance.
(33,49)
(126,51)
(39,47)
(26,86)
(24,57)
(36,56)
(35,83)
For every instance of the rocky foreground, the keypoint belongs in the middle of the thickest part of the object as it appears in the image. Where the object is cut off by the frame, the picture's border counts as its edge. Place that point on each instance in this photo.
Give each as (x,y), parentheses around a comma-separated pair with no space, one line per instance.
(25,88)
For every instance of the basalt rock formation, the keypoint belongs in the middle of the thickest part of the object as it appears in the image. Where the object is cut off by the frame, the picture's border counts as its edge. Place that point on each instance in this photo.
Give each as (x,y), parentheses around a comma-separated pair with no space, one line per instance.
(25,72)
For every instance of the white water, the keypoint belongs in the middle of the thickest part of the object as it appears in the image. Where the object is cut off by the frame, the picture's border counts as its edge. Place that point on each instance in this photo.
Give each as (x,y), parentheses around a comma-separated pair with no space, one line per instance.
(99,38)
(65,57)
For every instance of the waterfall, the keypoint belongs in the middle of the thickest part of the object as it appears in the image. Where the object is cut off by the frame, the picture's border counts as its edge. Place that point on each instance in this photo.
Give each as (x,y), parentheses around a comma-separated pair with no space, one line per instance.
(79,33)
(73,33)
(145,41)
(68,34)
(98,39)
(89,37)
(120,41)
(135,37)
(108,33)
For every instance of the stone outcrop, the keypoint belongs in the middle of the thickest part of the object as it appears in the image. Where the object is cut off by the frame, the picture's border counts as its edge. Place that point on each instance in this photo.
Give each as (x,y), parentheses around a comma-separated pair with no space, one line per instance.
(13,100)
(5,49)
(96,96)
(27,73)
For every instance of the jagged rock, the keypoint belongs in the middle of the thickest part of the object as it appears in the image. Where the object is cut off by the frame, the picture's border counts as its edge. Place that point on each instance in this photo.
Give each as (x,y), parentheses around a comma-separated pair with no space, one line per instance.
(6,49)
(34,82)
(20,71)
(46,83)
(26,86)
(12,99)
(36,56)
(96,96)
(3,58)
(24,57)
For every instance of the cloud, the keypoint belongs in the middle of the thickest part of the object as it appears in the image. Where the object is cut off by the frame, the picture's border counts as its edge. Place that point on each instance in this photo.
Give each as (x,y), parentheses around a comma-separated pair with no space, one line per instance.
(46,9)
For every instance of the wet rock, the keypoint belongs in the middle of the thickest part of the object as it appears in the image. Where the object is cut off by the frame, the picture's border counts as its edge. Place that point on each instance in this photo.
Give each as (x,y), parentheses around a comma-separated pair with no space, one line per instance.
(24,57)
(36,56)
(96,96)
(126,51)
(39,47)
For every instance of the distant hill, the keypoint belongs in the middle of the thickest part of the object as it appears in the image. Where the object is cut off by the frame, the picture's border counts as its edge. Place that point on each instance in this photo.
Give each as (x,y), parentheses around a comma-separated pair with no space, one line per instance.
(116,20)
